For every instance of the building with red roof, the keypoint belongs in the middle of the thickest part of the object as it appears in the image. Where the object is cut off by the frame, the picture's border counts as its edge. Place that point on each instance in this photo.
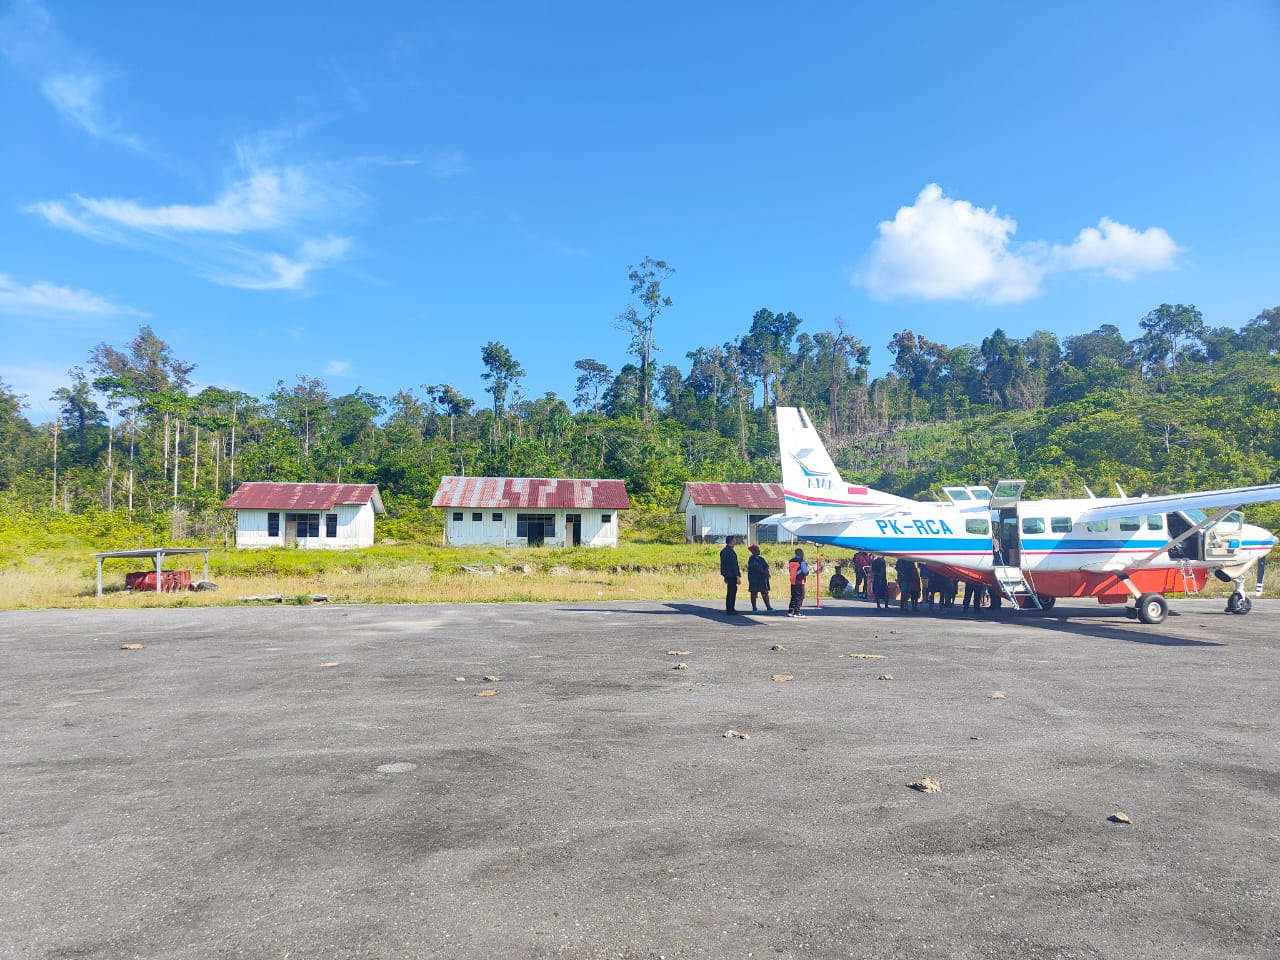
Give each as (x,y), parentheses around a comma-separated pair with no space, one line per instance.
(326,516)
(713,511)
(531,511)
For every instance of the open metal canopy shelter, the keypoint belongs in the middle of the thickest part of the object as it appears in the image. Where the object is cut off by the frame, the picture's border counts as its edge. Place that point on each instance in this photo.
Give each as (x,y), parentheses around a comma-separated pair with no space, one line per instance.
(157,554)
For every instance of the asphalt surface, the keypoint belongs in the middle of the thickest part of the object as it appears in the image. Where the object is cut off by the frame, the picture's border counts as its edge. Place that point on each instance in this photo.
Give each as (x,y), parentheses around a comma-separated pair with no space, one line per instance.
(318,782)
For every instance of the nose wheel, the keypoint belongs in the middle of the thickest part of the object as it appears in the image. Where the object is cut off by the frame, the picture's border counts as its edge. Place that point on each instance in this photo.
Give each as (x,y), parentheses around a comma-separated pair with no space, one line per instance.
(1239,604)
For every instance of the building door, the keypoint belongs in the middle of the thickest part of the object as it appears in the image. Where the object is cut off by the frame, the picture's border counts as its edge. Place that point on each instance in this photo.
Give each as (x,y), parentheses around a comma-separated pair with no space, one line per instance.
(573,529)
(291,532)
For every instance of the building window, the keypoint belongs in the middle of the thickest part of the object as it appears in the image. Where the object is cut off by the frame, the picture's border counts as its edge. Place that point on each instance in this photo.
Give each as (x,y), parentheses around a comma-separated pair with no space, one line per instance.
(330,524)
(1060,524)
(273,524)
(457,516)
(544,525)
(606,518)
(477,518)
(497,518)
(308,523)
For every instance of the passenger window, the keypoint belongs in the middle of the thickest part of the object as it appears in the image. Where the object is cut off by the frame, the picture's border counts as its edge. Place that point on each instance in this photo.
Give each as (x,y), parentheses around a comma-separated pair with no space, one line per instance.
(1060,524)
(1155,521)
(1096,526)
(980,527)
(1033,524)
(1130,524)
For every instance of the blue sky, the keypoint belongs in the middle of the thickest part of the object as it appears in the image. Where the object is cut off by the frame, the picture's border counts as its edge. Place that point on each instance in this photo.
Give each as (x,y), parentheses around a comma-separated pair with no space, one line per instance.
(369,194)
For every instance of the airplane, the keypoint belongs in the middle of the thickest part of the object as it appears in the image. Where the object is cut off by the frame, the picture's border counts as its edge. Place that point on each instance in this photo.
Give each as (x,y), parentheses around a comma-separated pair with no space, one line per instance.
(1031,552)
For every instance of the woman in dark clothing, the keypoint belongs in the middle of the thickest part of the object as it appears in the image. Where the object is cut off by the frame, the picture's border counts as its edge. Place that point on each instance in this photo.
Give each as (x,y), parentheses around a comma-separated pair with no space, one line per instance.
(758,577)
(908,585)
(880,582)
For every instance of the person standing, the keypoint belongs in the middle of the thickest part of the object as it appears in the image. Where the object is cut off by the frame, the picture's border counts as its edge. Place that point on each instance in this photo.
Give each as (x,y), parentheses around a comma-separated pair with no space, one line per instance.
(799,571)
(880,581)
(758,577)
(732,573)
(861,572)
(908,585)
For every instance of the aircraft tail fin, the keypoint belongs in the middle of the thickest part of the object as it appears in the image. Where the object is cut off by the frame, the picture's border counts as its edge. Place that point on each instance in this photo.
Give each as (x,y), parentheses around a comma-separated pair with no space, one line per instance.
(810,481)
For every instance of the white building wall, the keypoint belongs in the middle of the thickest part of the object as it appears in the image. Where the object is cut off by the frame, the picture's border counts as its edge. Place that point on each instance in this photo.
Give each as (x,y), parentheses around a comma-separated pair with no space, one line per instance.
(490,532)
(714,522)
(355,528)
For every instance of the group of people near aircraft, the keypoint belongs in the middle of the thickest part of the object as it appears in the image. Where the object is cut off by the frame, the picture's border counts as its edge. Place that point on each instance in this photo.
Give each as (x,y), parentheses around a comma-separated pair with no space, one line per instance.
(759,577)
(913,582)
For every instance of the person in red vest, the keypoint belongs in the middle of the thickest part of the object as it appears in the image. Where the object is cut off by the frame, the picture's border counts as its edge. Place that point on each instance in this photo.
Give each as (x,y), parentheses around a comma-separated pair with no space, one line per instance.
(799,571)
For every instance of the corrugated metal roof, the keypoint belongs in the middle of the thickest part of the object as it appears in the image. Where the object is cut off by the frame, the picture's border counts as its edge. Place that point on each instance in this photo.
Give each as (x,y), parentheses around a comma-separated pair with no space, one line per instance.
(523,492)
(259,495)
(750,496)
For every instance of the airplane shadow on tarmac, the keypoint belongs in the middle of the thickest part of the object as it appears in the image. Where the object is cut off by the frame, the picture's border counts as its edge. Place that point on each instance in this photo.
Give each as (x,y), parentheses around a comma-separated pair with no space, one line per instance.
(1076,620)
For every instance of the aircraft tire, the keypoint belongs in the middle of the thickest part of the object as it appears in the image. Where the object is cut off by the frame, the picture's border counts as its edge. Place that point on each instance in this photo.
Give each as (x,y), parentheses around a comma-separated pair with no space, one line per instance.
(1152,608)
(1239,604)
(1046,603)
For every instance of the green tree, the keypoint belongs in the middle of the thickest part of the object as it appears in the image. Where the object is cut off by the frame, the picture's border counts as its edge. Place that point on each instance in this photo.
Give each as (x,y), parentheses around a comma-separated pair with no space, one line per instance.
(593,376)
(646,283)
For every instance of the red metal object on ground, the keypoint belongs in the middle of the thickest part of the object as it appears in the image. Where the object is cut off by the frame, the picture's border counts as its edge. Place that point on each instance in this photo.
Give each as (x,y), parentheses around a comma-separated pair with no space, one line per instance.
(171,580)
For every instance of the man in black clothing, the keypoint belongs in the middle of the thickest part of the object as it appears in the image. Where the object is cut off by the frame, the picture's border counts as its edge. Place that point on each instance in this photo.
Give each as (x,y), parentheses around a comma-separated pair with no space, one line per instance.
(732,574)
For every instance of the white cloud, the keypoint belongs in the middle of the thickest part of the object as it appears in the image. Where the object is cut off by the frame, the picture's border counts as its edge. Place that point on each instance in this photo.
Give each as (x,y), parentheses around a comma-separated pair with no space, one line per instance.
(30,39)
(274,271)
(78,98)
(279,201)
(264,200)
(337,368)
(940,248)
(1117,250)
(48,299)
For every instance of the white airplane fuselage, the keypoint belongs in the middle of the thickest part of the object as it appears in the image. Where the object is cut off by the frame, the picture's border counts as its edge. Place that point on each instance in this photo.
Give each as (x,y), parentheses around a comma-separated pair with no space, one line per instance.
(1059,556)
(1114,549)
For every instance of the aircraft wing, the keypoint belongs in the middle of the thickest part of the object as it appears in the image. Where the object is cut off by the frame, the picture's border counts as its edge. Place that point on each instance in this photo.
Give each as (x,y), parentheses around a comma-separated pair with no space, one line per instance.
(1205,500)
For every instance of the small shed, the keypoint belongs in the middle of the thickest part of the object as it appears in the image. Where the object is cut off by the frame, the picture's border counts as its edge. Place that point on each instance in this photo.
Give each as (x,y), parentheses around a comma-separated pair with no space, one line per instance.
(713,511)
(158,580)
(323,516)
(531,511)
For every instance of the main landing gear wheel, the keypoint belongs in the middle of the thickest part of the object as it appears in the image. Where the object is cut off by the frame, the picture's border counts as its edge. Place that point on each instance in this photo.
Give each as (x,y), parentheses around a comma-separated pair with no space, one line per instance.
(1046,603)
(1152,608)
(1239,603)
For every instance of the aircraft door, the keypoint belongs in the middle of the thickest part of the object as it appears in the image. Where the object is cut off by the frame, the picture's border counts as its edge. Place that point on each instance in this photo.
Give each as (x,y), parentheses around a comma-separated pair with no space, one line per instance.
(1006,544)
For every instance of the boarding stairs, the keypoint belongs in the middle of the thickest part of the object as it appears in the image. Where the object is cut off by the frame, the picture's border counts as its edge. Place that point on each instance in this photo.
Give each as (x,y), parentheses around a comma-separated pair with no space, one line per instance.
(1189,586)
(1014,585)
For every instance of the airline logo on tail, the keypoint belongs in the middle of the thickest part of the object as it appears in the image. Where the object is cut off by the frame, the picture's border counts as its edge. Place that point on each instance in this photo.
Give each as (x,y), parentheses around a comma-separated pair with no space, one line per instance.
(810,479)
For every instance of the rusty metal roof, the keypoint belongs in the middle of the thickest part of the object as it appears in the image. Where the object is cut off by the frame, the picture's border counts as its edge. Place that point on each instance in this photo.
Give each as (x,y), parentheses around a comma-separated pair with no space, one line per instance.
(749,496)
(258,495)
(523,492)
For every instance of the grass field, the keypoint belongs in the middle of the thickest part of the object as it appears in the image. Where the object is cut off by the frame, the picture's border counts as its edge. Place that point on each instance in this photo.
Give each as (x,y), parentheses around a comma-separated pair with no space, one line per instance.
(64,575)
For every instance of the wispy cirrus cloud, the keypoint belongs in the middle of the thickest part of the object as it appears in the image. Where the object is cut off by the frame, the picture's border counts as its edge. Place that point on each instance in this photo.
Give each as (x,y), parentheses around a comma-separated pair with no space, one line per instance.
(235,237)
(274,271)
(940,248)
(44,299)
(74,86)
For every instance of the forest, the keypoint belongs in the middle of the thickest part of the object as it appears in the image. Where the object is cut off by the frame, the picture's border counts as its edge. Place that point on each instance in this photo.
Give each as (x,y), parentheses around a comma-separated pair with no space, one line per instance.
(1185,405)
